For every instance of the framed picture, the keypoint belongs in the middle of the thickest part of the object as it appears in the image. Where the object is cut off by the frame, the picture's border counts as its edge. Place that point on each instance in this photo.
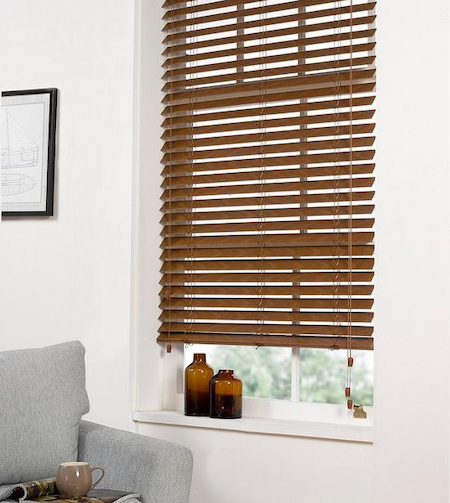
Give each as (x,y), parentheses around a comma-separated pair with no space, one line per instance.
(27,147)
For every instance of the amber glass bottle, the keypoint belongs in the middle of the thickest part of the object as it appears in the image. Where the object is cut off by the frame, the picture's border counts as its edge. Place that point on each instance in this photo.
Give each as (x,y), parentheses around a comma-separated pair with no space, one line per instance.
(196,386)
(226,395)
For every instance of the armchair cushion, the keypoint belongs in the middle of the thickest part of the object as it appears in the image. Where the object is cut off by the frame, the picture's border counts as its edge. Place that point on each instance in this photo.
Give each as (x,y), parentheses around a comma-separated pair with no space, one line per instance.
(159,471)
(42,397)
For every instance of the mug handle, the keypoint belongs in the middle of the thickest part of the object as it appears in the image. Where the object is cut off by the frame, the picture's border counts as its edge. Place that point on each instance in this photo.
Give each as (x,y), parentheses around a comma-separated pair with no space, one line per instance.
(101,476)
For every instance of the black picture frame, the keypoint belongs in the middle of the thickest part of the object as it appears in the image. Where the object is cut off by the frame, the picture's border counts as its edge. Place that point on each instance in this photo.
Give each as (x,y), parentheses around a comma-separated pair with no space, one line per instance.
(52,125)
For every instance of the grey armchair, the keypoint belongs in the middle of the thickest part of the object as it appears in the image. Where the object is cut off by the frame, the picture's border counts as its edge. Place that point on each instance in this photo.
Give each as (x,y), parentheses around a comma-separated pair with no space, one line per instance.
(44,397)
(160,471)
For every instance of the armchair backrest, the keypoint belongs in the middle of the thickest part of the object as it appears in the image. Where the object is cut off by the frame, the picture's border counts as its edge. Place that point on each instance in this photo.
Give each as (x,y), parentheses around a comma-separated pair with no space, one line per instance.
(42,400)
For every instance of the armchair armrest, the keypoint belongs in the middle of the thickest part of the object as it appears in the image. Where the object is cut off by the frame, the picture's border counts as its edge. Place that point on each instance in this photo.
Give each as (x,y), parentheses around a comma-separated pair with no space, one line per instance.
(160,471)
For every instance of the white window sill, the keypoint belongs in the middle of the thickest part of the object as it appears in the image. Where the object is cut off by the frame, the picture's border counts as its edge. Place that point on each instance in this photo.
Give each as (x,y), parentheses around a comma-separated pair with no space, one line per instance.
(348,429)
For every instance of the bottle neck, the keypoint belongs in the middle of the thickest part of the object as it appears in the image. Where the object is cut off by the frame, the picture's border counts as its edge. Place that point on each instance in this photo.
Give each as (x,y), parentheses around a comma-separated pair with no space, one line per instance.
(199,357)
(226,372)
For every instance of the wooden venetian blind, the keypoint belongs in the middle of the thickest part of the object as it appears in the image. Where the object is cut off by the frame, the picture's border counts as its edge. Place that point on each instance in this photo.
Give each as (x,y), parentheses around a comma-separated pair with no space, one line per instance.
(268,173)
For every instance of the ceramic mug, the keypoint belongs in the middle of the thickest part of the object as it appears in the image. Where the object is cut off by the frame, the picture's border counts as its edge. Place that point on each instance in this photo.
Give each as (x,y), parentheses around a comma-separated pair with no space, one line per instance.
(74,479)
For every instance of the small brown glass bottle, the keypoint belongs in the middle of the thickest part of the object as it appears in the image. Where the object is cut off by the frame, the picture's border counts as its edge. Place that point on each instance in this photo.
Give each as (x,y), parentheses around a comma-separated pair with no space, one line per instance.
(226,395)
(196,386)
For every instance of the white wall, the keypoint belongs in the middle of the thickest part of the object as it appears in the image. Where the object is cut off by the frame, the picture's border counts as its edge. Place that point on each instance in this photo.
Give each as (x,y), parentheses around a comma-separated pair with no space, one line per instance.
(68,277)
(250,468)
(412,253)
(147,360)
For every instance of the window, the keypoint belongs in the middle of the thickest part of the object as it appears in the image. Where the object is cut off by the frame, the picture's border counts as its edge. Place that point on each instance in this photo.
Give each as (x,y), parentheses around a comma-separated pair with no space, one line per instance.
(268,200)
(267,372)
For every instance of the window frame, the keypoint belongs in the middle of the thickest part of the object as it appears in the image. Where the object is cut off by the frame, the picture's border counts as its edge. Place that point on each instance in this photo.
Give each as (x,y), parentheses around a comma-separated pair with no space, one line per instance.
(266,408)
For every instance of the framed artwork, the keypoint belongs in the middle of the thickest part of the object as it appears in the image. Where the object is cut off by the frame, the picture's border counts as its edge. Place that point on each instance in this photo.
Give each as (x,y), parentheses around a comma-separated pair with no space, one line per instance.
(27,147)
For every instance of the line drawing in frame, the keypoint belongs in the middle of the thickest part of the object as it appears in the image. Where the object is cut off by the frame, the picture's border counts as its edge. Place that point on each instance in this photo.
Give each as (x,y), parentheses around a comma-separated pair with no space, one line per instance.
(28,121)
(19,150)
(16,184)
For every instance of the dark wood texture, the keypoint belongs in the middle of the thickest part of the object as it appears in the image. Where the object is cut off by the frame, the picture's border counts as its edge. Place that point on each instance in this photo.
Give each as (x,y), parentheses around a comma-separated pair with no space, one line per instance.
(268,173)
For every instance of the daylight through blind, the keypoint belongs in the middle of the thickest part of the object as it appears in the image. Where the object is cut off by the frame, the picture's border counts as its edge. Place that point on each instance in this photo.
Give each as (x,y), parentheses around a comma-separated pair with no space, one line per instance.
(268,173)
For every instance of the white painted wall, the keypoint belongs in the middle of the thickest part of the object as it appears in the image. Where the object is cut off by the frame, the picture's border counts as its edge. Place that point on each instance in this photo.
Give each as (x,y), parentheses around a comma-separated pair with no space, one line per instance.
(250,468)
(147,354)
(412,254)
(68,277)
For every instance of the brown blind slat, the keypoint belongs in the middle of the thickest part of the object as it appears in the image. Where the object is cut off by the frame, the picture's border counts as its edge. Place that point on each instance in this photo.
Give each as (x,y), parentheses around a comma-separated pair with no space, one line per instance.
(316,172)
(270,200)
(173,122)
(188,314)
(343,183)
(291,160)
(275,148)
(265,265)
(305,303)
(278,277)
(182,145)
(177,230)
(244,328)
(268,123)
(359,343)
(304,239)
(328,290)
(176,218)
(288,251)
(267,196)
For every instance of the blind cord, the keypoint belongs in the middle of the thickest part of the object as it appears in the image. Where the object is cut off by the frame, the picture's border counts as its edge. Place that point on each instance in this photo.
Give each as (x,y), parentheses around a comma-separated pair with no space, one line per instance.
(262,168)
(336,191)
(350,235)
(192,101)
(169,278)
